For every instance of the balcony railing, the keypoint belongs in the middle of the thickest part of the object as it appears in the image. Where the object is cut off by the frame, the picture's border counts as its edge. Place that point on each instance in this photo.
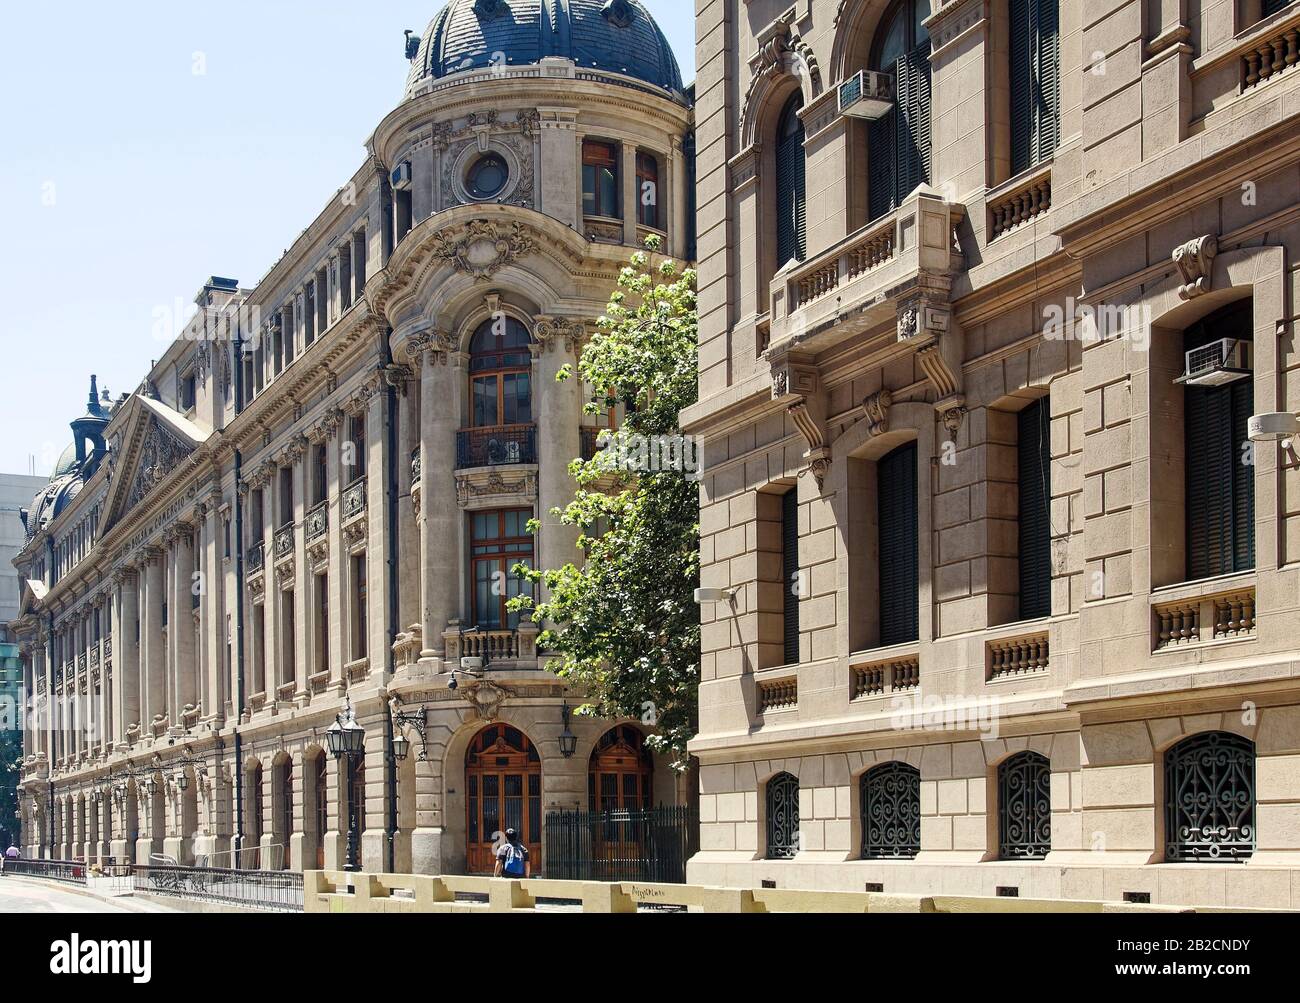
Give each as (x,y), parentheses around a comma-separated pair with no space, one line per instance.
(1026,199)
(1017,656)
(284,542)
(496,446)
(354,499)
(256,558)
(317,521)
(779,694)
(854,278)
(1199,618)
(590,435)
(1272,56)
(491,645)
(887,676)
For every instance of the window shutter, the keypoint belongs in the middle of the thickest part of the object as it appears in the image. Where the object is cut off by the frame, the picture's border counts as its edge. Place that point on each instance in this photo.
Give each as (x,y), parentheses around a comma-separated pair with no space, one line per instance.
(1049,79)
(1220,488)
(1034,81)
(1021,84)
(791,208)
(916,168)
(789,573)
(1034,449)
(897,533)
(880,164)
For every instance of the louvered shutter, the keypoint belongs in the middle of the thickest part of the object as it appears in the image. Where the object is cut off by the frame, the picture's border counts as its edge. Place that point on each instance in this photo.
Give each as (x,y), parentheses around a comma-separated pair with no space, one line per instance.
(791,222)
(1021,84)
(790,573)
(1034,81)
(1034,455)
(1220,487)
(897,529)
(1243,479)
(914,169)
(880,164)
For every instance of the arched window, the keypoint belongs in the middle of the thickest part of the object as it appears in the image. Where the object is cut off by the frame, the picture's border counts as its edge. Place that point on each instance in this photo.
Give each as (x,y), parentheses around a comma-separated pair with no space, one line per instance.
(500,374)
(1024,807)
(621,771)
(1035,82)
(1210,798)
(891,811)
(898,144)
(897,532)
(647,191)
(782,817)
(791,209)
(600,188)
(1220,487)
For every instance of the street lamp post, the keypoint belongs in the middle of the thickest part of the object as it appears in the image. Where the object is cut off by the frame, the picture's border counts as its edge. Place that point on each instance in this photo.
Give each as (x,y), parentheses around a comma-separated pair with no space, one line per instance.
(347,739)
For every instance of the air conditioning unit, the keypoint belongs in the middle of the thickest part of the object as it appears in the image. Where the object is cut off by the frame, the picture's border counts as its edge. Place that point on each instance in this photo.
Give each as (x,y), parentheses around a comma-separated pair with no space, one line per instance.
(1223,361)
(867,94)
(401,177)
(512,452)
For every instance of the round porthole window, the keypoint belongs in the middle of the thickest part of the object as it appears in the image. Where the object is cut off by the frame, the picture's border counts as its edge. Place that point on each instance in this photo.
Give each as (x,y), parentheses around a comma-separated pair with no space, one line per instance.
(487,176)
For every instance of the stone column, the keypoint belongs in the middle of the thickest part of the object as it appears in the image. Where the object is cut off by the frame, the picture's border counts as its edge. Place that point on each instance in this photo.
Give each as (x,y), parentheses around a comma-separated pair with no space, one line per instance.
(561,190)
(673,200)
(299,670)
(627,177)
(559,414)
(214,618)
(439,515)
(377,547)
(185,669)
(153,658)
(296,839)
(126,655)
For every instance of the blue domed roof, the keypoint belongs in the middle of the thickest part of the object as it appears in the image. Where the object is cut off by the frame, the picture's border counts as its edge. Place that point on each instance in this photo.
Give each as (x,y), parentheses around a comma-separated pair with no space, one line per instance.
(619,36)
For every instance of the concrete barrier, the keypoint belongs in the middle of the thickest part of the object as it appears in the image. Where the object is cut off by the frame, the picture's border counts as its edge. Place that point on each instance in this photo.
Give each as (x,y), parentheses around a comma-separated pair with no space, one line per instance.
(338,892)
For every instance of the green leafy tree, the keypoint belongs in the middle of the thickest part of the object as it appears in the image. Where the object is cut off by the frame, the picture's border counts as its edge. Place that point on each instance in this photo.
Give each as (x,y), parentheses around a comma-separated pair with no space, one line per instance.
(625,624)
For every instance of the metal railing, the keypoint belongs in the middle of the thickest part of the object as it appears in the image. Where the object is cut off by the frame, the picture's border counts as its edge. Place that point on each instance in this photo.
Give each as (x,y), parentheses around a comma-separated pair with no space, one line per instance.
(278,891)
(647,845)
(496,446)
(71,872)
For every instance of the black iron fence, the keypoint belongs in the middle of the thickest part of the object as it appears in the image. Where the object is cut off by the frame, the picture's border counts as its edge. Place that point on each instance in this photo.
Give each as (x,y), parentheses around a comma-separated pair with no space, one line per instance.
(71,872)
(269,890)
(650,845)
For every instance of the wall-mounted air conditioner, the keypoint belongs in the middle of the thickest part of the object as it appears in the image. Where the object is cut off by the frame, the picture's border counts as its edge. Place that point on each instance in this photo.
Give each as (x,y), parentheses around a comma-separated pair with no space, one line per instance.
(867,94)
(401,177)
(1223,361)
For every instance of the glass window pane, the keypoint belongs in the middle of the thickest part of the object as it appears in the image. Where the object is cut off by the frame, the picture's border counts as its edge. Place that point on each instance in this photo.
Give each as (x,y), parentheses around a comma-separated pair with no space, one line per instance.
(895,40)
(485,401)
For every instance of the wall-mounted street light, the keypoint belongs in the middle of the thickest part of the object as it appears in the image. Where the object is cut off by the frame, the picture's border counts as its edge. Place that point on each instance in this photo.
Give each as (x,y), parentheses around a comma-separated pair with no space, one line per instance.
(346,738)
(568,740)
(403,719)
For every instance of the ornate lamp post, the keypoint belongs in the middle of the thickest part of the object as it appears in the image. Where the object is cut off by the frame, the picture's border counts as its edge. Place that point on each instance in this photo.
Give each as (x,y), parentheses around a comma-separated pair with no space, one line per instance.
(347,739)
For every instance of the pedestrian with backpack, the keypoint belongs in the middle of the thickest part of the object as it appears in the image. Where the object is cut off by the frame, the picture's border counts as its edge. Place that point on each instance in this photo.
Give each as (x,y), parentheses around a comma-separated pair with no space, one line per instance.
(512,857)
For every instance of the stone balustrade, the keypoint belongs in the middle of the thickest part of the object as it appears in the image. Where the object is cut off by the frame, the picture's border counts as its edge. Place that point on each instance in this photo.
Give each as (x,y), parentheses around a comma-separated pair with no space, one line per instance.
(778,694)
(885,676)
(1026,198)
(1016,656)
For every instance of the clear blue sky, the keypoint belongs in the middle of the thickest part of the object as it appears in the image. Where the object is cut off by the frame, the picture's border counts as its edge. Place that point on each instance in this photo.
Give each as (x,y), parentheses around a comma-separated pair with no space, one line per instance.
(127,177)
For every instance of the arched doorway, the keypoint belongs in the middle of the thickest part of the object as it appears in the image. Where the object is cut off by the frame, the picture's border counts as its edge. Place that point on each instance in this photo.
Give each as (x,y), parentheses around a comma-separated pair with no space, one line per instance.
(503,790)
(621,773)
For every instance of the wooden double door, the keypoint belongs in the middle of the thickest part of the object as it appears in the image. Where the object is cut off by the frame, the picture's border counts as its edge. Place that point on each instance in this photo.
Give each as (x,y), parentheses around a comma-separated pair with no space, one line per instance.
(503,790)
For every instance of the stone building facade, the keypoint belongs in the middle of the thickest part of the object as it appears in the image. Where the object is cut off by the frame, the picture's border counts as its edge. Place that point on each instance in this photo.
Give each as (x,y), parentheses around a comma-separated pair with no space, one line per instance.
(1009,599)
(316,497)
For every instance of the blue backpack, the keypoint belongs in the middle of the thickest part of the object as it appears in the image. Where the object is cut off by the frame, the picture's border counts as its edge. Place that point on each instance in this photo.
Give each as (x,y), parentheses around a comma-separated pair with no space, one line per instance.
(514,861)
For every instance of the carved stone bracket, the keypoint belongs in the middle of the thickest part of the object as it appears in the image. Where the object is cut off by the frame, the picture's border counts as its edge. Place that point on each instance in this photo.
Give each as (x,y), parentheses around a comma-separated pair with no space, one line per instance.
(925,322)
(796,383)
(876,407)
(1195,261)
(436,343)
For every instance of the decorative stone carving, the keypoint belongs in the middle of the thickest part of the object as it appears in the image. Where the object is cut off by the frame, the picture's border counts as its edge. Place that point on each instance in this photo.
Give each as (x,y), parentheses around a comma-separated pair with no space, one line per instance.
(796,382)
(549,331)
(876,407)
(486,698)
(477,486)
(482,247)
(437,343)
(1195,261)
(159,456)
